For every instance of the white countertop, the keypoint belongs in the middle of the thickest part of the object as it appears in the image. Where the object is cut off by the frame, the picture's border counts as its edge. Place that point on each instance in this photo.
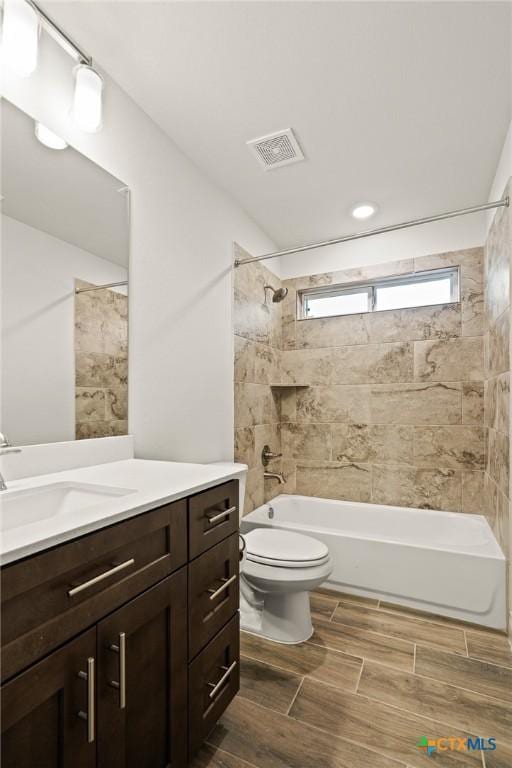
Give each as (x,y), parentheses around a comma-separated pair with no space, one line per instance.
(151,484)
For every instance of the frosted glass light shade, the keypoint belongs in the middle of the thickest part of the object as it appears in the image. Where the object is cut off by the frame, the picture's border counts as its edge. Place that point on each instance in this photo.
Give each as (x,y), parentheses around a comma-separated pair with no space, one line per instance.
(20,37)
(49,138)
(87,103)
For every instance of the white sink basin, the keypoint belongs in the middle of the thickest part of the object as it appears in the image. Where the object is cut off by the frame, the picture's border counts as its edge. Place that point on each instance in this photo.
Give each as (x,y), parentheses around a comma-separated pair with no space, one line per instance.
(32,505)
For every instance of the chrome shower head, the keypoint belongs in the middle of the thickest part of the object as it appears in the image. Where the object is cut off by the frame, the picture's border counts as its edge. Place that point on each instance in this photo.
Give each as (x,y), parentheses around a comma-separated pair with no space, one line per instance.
(278,293)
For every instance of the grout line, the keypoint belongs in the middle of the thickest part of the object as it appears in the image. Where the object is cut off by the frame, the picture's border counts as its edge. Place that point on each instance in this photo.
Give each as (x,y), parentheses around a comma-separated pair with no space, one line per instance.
(414,660)
(466,642)
(295,697)
(360,675)
(231,754)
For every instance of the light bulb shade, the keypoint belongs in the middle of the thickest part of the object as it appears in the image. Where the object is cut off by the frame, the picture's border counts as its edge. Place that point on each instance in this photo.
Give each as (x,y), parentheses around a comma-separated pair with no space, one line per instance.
(20,37)
(49,138)
(87,103)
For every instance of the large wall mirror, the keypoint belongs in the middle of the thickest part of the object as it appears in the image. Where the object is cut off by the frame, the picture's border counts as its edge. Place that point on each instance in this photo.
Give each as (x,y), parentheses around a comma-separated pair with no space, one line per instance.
(63,292)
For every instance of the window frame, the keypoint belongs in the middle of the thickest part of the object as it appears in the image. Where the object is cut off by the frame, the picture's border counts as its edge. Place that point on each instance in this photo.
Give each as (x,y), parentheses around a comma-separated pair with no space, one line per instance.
(371,287)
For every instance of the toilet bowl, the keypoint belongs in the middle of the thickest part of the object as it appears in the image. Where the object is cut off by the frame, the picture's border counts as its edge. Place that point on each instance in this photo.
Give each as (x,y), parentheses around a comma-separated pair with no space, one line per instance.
(279,570)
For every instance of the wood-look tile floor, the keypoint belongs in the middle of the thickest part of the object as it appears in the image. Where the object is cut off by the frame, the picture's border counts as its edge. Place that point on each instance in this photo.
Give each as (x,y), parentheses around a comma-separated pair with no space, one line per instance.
(371,682)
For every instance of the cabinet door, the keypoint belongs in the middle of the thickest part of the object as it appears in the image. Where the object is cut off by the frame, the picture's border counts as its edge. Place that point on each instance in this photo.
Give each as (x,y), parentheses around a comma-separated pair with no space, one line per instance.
(48,711)
(142,680)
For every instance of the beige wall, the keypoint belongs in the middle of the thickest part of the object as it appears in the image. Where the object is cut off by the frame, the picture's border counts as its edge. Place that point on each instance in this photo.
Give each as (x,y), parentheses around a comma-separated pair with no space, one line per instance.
(393,413)
(498,255)
(101,363)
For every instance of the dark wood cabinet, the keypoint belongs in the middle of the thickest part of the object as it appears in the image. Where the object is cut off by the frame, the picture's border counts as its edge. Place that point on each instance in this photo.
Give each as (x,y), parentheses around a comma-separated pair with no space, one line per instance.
(144,617)
(44,711)
(142,680)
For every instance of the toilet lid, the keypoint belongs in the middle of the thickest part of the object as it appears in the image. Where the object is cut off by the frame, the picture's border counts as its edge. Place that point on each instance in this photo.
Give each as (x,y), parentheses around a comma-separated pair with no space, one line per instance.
(284,548)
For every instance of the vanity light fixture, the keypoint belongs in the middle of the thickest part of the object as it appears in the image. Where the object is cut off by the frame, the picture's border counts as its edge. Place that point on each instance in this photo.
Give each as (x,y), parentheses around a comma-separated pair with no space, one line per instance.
(363,210)
(20,37)
(49,138)
(87,101)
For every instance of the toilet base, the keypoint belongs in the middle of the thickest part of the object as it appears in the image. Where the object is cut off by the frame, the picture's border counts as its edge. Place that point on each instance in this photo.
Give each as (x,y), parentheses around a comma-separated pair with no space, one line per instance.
(282,617)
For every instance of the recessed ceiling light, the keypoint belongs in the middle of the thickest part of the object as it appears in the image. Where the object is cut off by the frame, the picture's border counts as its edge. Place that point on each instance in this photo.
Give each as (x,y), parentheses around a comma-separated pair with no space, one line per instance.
(363,210)
(49,138)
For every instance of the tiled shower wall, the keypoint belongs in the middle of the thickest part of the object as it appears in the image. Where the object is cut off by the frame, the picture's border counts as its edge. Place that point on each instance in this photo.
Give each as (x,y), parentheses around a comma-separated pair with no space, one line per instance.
(257,328)
(393,411)
(388,407)
(498,255)
(101,363)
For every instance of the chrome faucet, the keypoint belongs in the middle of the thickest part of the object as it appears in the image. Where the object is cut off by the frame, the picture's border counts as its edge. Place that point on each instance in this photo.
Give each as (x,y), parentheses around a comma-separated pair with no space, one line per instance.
(5,447)
(277,475)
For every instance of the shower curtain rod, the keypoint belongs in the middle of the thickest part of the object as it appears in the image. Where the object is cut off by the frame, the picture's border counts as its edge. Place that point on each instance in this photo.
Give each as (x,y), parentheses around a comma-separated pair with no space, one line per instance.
(100,287)
(381,230)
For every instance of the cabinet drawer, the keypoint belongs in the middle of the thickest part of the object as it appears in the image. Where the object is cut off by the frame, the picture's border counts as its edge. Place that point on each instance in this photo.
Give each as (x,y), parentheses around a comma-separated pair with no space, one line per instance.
(214,680)
(56,594)
(213,515)
(213,592)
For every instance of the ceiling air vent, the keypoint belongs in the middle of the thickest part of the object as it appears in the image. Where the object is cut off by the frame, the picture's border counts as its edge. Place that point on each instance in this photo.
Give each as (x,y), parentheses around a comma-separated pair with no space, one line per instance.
(276,149)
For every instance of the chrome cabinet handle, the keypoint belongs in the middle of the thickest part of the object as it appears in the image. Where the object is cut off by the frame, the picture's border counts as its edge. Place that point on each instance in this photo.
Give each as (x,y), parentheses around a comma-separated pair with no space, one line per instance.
(121,685)
(225,513)
(89,715)
(115,569)
(216,592)
(218,686)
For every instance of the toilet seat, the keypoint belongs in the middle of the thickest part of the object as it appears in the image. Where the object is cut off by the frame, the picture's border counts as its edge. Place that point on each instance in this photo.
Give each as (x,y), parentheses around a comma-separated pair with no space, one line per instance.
(284,549)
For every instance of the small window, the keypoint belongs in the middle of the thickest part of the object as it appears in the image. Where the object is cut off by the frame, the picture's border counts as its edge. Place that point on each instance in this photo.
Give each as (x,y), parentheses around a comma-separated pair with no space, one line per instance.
(440,286)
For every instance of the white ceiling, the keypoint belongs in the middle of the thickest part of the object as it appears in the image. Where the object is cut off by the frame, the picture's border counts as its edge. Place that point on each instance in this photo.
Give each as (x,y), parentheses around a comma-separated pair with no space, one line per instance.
(61,192)
(405,104)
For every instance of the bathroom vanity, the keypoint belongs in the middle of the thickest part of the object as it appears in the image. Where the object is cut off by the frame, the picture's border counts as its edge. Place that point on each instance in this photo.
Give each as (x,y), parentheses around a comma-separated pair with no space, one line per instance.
(120,647)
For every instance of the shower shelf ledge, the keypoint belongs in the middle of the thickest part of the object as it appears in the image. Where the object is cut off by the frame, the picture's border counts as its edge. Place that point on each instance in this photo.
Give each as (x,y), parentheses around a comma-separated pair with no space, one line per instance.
(289,386)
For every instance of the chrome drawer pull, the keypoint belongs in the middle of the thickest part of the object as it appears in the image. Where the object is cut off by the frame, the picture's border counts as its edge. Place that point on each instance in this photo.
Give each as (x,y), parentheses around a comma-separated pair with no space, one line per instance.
(121,685)
(97,579)
(216,592)
(218,686)
(89,715)
(225,513)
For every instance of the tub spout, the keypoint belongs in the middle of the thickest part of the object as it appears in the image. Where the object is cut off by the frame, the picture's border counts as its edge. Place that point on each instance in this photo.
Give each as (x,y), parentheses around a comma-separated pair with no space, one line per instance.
(277,475)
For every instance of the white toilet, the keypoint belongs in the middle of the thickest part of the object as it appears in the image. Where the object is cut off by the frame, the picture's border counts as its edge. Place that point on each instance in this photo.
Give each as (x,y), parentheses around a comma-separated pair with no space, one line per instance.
(279,570)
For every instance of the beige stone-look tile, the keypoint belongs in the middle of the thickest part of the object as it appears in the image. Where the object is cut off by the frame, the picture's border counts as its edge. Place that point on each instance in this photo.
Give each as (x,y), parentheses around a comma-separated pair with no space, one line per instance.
(116,403)
(442,321)
(473,402)
(289,470)
(98,369)
(472,674)
(272,740)
(306,441)
(335,331)
(497,402)
(387,444)
(254,490)
(267,369)
(393,731)
(498,459)
(498,345)
(244,359)
(355,274)
(90,404)
(333,480)
(272,687)
(493,648)
(345,404)
(313,366)
(252,405)
(490,499)
(435,403)
(457,447)
(498,255)
(409,628)
(501,525)
(420,488)
(449,359)
(288,397)
(358,642)
(373,363)
(467,710)
(473,492)
(307,660)
(92,429)
(245,447)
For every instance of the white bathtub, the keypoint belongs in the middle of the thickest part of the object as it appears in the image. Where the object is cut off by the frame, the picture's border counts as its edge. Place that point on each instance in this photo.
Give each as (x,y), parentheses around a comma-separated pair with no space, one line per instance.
(443,562)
